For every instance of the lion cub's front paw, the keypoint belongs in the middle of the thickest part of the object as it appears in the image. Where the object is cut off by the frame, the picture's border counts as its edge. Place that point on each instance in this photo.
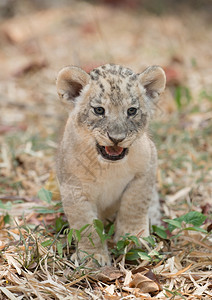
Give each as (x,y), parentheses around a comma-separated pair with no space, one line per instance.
(103,259)
(100,256)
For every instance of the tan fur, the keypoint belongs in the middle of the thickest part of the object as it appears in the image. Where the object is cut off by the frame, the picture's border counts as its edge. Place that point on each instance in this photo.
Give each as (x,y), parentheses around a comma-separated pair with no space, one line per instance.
(91,186)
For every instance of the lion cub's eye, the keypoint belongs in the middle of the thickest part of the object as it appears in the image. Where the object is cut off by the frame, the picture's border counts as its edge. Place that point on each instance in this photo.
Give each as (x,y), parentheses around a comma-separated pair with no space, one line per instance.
(131,111)
(99,110)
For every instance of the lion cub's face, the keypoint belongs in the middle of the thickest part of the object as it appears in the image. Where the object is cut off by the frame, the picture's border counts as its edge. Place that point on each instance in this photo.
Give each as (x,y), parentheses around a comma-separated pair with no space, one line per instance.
(112,103)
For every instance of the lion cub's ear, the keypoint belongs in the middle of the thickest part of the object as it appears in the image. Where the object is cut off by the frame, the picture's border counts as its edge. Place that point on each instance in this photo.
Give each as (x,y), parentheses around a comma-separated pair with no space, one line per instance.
(70,82)
(153,79)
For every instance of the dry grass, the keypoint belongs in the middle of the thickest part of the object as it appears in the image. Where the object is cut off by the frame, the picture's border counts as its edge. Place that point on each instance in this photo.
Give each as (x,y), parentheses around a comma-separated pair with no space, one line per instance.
(34,257)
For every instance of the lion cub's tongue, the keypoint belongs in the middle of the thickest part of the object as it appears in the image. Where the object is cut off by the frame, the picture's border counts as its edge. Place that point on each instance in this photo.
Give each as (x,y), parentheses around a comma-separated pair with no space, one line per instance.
(113,150)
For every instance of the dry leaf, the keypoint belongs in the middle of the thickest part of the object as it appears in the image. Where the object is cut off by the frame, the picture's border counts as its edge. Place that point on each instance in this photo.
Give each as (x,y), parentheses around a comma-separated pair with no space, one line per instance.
(108,273)
(181,271)
(6,128)
(145,284)
(8,293)
(32,66)
(128,278)
(52,185)
(173,76)
(147,272)
(182,193)
(110,289)
(12,261)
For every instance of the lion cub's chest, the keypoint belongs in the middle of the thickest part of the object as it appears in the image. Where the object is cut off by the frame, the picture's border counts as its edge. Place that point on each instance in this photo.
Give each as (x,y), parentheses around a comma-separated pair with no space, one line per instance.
(110,187)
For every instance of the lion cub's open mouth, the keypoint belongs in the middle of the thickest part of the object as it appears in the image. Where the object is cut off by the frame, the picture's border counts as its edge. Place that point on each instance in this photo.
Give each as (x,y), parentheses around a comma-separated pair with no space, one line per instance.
(112,152)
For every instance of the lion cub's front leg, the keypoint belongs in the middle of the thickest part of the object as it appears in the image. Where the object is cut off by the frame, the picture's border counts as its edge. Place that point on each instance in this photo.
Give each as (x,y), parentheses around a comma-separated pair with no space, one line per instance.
(79,212)
(133,216)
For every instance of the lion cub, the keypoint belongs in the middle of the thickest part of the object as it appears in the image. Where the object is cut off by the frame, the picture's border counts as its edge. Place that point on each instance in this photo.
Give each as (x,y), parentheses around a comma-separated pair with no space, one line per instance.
(106,163)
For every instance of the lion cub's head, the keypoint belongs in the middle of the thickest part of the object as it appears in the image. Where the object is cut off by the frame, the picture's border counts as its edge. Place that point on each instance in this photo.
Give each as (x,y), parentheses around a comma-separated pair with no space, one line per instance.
(112,104)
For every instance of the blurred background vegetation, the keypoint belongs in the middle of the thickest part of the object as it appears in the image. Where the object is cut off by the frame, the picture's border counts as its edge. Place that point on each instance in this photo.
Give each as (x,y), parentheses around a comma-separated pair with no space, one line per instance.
(38,38)
(9,8)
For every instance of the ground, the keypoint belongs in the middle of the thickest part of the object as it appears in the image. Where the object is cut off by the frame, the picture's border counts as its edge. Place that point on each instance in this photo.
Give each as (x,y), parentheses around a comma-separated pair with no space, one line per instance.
(36,40)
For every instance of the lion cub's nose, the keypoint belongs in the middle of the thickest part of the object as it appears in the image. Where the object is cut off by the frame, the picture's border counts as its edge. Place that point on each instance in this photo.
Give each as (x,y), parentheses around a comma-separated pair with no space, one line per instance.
(116,138)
